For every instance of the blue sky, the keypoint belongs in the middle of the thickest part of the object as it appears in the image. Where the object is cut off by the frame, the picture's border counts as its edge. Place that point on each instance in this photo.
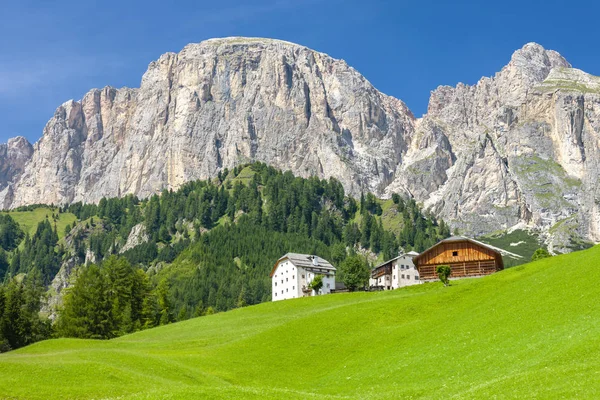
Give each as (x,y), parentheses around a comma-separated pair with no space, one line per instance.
(51,52)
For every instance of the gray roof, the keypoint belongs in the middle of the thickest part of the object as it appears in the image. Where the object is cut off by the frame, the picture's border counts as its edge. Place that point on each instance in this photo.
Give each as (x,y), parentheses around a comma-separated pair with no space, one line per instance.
(454,239)
(410,254)
(305,261)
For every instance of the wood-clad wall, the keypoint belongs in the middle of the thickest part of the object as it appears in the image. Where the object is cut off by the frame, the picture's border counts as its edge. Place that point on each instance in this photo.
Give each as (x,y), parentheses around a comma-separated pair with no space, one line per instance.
(471,260)
(467,251)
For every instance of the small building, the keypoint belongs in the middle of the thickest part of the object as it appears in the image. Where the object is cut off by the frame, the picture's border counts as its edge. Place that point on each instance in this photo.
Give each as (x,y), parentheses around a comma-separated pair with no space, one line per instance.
(395,273)
(466,257)
(293,273)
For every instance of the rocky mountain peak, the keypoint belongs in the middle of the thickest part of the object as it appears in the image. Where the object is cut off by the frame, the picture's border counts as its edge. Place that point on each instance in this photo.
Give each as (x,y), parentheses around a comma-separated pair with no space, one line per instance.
(518,148)
(534,62)
(214,105)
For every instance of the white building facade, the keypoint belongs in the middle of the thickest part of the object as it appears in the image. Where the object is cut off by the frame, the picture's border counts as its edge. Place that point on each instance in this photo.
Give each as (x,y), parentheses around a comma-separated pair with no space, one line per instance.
(395,273)
(293,273)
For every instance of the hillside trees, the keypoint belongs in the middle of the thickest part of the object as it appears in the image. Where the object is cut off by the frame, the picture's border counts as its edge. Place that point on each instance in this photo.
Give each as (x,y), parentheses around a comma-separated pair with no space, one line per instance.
(10,233)
(354,272)
(108,300)
(20,323)
(210,245)
(40,252)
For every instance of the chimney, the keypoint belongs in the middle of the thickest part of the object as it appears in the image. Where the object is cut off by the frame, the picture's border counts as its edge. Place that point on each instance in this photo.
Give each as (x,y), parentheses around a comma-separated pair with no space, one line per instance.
(315,261)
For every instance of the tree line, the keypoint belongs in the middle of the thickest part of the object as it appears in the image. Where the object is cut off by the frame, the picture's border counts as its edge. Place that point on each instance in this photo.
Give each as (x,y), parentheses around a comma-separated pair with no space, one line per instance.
(211,245)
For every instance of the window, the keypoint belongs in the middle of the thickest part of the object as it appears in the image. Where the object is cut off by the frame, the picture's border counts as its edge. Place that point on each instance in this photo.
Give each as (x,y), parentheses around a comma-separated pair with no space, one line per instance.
(402,276)
(328,286)
(275,294)
(394,276)
(286,290)
(293,276)
(293,287)
(275,283)
(282,281)
(416,278)
(302,276)
(286,279)
(455,254)
(282,292)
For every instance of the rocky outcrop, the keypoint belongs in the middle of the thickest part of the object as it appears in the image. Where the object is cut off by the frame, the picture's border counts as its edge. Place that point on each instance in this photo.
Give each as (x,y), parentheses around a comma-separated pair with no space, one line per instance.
(519,148)
(136,237)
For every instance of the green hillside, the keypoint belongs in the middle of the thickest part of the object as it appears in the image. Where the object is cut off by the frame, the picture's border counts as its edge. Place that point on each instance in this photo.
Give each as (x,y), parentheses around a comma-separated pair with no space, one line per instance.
(29,219)
(530,331)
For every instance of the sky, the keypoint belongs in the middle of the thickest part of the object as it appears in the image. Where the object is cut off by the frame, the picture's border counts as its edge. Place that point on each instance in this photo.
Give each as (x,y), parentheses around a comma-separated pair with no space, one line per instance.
(54,51)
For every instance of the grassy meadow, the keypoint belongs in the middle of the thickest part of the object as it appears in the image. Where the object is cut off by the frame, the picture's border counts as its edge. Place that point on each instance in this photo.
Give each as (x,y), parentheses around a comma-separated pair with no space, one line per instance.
(531,331)
(29,220)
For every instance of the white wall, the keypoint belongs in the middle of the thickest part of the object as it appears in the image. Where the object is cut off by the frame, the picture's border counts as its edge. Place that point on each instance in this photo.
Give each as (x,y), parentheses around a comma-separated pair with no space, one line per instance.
(285,282)
(404,272)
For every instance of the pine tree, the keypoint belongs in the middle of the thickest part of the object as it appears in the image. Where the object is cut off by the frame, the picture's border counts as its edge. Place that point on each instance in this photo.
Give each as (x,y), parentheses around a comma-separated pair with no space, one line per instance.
(164,304)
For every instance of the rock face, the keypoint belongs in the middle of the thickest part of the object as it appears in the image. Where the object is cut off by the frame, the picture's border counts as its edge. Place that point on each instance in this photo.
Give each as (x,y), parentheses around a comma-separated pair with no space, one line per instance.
(520,148)
(136,237)
(214,105)
(13,157)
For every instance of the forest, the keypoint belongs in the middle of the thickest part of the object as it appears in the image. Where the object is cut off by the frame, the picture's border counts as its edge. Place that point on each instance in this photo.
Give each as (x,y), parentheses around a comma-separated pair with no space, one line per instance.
(131,264)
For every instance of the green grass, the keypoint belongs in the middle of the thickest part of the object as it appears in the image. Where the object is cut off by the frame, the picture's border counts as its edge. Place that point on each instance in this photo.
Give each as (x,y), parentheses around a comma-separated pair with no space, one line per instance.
(28,220)
(245,176)
(526,332)
(390,218)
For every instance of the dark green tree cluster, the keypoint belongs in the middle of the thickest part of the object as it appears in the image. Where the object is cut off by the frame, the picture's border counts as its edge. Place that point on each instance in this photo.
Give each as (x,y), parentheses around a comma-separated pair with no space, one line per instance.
(420,231)
(40,252)
(20,322)
(354,272)
(10,233)
(109,300)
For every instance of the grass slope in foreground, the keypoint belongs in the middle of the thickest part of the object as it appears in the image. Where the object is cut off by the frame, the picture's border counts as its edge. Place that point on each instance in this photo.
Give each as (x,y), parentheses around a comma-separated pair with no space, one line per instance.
(530,331)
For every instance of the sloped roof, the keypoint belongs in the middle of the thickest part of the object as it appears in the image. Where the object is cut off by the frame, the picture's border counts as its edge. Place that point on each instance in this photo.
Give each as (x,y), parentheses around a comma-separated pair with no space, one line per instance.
(466,239)
(410,254)
(304,261)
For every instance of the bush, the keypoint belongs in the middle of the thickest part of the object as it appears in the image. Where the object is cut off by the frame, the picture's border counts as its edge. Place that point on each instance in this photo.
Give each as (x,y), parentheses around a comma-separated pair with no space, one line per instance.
(317,283)
(444,272)
(539,254)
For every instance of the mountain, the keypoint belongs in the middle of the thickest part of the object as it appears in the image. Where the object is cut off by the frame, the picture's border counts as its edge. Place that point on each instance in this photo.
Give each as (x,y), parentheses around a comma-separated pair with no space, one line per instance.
(519,149)
(215,105)
(523,332)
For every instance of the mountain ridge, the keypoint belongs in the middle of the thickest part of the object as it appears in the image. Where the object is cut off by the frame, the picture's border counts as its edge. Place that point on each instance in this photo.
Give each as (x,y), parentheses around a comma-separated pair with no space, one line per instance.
(486,157)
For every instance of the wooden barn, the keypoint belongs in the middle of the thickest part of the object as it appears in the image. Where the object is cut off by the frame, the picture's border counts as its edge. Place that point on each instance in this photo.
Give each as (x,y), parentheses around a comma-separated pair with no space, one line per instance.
(466,257)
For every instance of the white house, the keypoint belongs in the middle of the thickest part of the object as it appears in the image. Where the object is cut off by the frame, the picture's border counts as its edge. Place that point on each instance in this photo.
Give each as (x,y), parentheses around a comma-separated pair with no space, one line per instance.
(293,273)
(395,273)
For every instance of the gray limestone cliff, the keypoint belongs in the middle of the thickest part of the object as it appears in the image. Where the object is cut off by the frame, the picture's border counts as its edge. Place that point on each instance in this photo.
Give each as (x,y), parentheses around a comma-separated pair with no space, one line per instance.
(517,149)
(214,105)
